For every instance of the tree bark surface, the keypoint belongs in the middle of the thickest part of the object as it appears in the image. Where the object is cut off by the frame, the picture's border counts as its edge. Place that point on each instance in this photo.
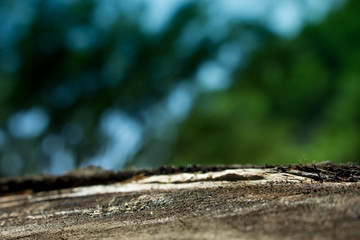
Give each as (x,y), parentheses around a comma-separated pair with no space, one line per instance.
(220,202)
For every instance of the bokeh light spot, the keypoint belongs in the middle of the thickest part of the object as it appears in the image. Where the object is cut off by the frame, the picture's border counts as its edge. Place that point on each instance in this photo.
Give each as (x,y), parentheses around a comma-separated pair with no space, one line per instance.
(29,123)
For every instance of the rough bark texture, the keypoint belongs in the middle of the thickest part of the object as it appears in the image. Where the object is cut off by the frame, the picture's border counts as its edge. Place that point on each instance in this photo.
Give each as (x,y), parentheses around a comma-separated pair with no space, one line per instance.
(235,202)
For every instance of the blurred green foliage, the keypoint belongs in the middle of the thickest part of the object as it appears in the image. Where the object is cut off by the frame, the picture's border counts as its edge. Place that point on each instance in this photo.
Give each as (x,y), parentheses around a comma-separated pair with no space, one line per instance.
(71,65)
(295,100)
(67,66)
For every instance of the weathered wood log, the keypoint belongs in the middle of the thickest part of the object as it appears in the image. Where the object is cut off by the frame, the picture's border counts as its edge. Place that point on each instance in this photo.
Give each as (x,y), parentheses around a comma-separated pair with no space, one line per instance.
(230,202)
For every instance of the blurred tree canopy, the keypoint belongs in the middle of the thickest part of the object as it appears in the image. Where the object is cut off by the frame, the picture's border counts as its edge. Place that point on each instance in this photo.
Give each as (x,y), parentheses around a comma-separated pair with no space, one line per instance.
(296,100)
(69,68)
(83,82)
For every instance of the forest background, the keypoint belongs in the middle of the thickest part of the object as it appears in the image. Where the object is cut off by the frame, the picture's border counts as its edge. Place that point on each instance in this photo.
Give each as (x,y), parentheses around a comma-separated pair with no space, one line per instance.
(145,83)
